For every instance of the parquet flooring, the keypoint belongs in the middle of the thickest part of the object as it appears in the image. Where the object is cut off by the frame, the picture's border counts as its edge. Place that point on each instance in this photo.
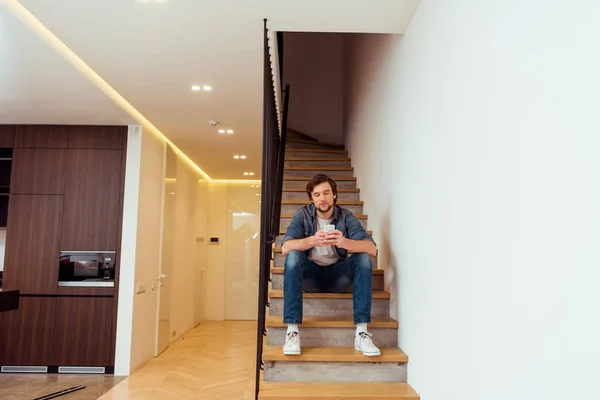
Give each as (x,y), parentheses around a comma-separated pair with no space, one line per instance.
(214,361)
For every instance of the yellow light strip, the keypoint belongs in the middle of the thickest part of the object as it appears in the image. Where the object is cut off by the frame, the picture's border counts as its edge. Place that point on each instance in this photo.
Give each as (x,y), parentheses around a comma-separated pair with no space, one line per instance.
(61,48)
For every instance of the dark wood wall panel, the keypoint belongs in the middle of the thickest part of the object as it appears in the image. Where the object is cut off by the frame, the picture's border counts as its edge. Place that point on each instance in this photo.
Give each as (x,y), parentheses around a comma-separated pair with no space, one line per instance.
(42,136)
(97,137)
(39,171)
(91,212)
(32,244)
(83,331)
(7,135)
(28,333)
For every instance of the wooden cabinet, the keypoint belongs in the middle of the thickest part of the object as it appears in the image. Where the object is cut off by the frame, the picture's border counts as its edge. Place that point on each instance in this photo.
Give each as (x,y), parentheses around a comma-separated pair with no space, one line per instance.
(38,171)
(7,136)
(83,331)
(42,136)
(97,137)
(92,198)
(28,333)
(32,244)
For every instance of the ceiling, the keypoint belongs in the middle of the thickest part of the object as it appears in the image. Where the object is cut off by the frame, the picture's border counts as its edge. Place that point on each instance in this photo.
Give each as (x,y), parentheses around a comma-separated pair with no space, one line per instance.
(152,51)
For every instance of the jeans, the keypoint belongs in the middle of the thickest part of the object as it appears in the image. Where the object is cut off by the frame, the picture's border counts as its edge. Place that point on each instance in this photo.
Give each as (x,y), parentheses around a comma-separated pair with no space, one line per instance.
(301,273)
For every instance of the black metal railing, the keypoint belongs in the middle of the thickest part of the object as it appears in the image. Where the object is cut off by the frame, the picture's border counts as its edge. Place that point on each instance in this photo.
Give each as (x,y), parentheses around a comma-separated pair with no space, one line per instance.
(272,185)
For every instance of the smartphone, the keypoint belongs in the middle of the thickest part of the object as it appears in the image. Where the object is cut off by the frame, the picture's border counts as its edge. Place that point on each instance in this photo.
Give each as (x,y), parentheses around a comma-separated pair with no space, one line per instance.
(328,228)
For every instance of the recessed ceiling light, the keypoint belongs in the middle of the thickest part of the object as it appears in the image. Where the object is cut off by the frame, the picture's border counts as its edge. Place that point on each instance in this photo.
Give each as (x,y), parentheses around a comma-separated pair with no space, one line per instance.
(196,88)
(230,131)
(236,156)
(251,173)
(207,88)
(172,192)
(243,157)
(245,173)
(221,130)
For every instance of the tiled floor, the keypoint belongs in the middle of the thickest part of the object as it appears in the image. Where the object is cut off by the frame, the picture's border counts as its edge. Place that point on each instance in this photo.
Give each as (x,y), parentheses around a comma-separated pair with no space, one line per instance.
(214,361)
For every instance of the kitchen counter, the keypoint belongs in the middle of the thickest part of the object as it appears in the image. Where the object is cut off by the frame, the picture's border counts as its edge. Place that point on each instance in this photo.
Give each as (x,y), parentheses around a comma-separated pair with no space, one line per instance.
(9,300)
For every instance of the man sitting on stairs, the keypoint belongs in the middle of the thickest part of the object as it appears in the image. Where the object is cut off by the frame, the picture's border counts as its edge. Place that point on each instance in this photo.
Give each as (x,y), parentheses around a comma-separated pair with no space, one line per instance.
(316,247)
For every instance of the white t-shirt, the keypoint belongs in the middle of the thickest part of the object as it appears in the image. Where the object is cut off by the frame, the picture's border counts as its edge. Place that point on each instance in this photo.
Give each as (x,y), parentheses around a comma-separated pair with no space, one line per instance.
(326,255)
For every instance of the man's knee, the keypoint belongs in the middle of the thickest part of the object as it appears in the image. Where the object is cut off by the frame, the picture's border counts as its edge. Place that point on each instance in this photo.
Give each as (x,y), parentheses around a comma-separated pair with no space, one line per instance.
(362,261)
(294,261)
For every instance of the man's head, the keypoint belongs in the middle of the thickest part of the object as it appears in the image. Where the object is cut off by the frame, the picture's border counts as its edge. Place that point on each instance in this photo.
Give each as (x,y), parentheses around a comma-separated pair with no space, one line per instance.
(322,191)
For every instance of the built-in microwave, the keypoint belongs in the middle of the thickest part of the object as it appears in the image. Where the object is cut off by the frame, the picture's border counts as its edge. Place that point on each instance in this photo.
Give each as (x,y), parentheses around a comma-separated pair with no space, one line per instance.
(86,268)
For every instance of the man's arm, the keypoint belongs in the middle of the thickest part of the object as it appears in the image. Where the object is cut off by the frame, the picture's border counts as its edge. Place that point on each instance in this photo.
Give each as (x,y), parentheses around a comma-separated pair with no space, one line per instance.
(337,238)
(358,241)
(294,237)
(298,244)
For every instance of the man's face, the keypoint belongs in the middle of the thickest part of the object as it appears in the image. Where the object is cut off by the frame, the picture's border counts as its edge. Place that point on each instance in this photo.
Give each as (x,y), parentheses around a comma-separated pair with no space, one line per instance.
(323,197)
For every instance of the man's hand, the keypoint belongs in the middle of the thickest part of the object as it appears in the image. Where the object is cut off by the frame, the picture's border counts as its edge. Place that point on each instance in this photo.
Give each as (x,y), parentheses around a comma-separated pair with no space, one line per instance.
(335,238)
(320,239)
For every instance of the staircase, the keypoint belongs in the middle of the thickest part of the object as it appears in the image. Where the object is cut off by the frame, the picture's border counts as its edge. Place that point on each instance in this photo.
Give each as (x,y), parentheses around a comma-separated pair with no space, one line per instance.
(329,367)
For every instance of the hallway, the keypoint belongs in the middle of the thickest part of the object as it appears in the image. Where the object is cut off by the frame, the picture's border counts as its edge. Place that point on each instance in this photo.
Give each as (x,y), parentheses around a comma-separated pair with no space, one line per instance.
(214,361)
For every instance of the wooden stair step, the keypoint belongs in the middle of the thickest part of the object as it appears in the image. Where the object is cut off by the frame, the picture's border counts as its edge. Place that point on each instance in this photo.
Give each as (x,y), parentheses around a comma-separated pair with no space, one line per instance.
(335,354)
(322,144)
(370,233)
(278,250)
(336,391)
(275,270)
(308,178)
(358,216)
(377,294)
(318,169)
(330,151)
(340,190)
(343,159)
(332,322)
(339,202)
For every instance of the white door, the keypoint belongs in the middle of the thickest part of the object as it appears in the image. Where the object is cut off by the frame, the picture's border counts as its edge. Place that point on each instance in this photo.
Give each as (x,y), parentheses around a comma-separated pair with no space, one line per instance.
(241,264)
(165,275)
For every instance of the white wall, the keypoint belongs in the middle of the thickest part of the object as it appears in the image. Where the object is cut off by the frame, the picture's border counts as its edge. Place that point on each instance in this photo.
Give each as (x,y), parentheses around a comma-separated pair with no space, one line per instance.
(475,142)
(147,253)
(313,66)
(128,251)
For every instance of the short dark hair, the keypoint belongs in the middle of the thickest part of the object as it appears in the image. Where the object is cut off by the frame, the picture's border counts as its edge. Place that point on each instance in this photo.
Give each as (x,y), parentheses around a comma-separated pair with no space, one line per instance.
(317,180)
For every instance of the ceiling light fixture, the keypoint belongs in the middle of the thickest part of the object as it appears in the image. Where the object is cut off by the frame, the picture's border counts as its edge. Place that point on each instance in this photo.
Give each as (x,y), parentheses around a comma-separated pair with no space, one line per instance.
(236,157)
(207,88)
(230,131)
(243,157)
(251,173)
(245,173)
(196,88)
(221,130)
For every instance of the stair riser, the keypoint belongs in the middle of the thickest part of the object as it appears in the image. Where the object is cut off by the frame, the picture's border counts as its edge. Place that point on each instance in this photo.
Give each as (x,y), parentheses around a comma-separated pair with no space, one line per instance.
(332,307)
(319,337)
(285,222)
(304,196)
(317,163)
(291,208)
(309,154)
(302,184)
(295,145)
(277,282)
(298,371)
(279,259)
(311,172)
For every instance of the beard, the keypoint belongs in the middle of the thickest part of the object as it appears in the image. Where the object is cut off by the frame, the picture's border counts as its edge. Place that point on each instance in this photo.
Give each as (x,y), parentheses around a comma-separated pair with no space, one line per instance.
(325,208)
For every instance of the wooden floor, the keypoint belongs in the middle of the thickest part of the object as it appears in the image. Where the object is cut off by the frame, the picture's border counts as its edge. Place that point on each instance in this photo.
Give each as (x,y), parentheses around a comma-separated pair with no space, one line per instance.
(215,361)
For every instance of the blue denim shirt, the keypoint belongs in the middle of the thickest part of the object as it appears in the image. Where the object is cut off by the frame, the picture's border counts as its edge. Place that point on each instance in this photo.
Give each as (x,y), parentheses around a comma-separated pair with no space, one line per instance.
(304,224)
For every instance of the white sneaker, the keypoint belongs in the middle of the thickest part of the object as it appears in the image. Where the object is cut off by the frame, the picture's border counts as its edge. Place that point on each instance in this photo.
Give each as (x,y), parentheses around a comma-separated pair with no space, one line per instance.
(292,344)
(364,344)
